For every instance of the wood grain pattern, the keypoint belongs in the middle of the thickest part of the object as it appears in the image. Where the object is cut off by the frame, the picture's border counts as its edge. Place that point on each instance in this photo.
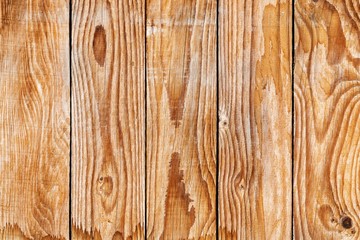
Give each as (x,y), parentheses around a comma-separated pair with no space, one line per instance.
(34,119)
(252,124)
(327,123)
(108,119)
(181,119)
(254,119)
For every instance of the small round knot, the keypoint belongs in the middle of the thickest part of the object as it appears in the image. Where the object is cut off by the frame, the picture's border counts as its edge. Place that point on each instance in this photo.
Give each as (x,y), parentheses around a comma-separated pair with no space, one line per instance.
(223,121)
(346,222)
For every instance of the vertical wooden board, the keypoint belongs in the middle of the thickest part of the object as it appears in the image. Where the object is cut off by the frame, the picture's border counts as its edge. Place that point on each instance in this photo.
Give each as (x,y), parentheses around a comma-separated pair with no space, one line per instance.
(108,116)
(255,119)
(181,119)
(34,119)
(327,124)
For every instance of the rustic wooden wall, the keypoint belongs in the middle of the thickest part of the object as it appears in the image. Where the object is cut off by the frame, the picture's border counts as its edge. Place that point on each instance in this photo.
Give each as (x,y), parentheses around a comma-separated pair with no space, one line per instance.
(179,119)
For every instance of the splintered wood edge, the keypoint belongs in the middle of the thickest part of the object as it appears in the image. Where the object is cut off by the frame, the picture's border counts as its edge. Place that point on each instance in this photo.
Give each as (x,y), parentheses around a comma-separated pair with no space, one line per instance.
(13,231)
(79,233)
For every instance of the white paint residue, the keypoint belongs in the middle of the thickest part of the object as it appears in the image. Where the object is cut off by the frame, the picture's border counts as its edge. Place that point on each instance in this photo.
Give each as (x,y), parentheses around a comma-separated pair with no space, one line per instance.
(152,30)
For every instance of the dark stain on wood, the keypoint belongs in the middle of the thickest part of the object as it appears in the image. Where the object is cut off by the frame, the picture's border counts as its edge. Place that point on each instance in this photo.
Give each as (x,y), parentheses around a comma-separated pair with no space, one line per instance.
(118,236)
(177,50)
(108,183)
(336,37)
(78,233)
(327,217)
(177,203)
(99,45)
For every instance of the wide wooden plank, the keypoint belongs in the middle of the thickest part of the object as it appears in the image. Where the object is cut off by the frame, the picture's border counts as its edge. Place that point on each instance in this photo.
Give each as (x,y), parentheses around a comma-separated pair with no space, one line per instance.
(108,119)
(34,119)
(327,111)
(255,119)
(181,119)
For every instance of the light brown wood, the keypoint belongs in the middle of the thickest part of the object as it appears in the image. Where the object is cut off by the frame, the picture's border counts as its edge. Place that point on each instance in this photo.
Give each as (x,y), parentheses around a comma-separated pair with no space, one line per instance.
(327,124)
(254,128)
(254,119)
(34,119)
(181,119)
(108,119)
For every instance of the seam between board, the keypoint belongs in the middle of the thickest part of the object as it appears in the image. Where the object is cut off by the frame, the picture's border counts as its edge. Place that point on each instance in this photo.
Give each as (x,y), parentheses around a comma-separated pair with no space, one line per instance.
(70,142)
(145,120)
(292,113)
(217,119)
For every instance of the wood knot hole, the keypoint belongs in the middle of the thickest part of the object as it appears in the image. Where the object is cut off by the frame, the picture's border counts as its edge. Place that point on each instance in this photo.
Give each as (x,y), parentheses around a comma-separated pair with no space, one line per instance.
(105,185)
(99,45)
(346,222)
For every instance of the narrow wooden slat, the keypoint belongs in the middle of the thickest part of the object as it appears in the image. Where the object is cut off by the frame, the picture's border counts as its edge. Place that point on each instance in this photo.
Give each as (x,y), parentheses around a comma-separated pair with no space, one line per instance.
(255,119)
(181,119)
(327,123)
(108,116)
(34,119)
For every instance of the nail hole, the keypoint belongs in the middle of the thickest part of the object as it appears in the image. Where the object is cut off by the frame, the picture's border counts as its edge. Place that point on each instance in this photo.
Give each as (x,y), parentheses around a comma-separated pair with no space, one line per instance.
(346,222)
(224,123)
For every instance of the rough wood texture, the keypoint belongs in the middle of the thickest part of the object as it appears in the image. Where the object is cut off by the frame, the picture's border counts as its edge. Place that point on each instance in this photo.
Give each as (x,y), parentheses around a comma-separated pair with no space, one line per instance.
(254,119)
(108,134)
(327,123)
(254,128)
(34,119)
(181,119)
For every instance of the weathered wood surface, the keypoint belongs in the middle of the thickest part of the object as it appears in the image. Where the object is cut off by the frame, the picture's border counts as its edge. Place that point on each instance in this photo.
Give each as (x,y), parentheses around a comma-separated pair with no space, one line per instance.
(108,119)
(253,41)
(181,119)
(34,119)
(254,119)
(327,124)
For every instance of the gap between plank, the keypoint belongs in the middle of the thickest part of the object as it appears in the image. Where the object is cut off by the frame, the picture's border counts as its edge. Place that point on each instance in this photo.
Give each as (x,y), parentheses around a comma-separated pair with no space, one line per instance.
(70,69)
(292,112)
(145,106)
(217,119)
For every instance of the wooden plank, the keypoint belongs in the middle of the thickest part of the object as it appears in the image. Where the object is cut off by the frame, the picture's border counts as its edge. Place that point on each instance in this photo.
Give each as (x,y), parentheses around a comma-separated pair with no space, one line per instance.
(108,116)
(327,110)
(255,119)
(181,119)
(34,119)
